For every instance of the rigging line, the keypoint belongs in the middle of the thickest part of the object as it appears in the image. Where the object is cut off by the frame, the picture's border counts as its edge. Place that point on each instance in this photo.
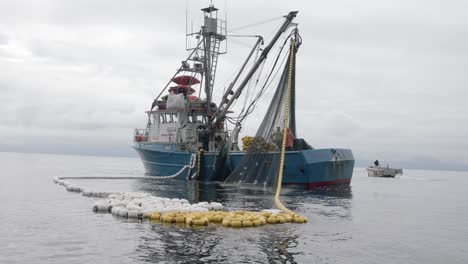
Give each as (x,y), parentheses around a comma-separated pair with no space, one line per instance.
(249,110)
(241,43)
(254,104)
(217,92)
(263,66)
(255,24)
(230,121)
(243,36)
(275,63)
(247,94)
(254,90)
(259,75)
(299,41)
(228,79)
(276,73)
(225,85)
(244,116)
(234,73)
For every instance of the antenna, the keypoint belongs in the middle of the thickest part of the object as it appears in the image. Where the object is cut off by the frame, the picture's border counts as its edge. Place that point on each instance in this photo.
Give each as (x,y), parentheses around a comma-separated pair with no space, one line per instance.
(225,21)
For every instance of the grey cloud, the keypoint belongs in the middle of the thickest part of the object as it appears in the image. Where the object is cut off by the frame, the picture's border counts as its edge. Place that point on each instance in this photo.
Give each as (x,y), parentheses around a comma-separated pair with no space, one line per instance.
(383,78)
(4,39)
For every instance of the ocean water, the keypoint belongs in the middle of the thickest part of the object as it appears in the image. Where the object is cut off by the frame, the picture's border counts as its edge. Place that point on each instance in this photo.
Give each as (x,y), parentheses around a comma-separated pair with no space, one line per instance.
(420,217)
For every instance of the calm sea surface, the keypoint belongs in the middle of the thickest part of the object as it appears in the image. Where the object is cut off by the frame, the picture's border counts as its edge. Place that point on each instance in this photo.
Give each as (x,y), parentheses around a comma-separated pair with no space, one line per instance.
(421,217)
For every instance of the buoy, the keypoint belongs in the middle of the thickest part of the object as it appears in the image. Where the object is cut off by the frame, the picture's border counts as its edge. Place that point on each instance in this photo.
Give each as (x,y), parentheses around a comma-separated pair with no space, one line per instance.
(189,221)
(226,223)
(116,210)
(287,217)
(198,222)
(272,220)
(257,223)
(280,219)
(123,212)
(179,211)
(167,218)
(155,216)
(300,220)
(236,224)
(217,218)
(266,214)
(247,223)
(133,213)
(180,220)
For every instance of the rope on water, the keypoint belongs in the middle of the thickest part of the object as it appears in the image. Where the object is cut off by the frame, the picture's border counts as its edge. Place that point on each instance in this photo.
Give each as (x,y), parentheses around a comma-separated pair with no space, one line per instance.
(185,167)
(74,188)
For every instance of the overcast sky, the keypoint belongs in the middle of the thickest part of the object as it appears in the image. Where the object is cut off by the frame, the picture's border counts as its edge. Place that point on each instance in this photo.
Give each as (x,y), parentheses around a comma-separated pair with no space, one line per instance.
(387,79)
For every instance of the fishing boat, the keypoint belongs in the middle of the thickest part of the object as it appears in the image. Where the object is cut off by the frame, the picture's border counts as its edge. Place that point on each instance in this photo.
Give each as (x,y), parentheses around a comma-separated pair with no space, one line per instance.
(386,172)
(188,136)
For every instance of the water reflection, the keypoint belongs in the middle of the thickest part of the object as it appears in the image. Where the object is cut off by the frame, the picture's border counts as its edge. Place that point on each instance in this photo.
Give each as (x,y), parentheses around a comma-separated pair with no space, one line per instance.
(330,202)
(278,245)
(338,191)
(178,244)
(193,191)
(215,244)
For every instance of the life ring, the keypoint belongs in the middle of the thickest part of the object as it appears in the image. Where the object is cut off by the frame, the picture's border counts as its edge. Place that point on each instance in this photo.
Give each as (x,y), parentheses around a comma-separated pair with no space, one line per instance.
(139,138)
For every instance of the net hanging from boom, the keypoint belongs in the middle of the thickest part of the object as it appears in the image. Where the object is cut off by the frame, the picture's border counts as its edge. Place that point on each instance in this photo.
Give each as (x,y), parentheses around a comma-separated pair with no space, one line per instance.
(261,164)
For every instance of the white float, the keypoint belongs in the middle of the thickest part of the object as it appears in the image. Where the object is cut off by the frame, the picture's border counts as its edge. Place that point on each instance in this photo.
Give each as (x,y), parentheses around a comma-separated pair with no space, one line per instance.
(136,204)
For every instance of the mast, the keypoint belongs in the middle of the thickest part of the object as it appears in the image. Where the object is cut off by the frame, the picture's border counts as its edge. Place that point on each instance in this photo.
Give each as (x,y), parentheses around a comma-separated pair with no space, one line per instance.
(213,34)
(223,109)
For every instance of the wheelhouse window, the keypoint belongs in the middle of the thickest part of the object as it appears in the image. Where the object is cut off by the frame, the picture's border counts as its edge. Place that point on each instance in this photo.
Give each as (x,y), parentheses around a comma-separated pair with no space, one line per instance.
(162,119)
(154,118)
(168,118)
(201,119)
(197,118)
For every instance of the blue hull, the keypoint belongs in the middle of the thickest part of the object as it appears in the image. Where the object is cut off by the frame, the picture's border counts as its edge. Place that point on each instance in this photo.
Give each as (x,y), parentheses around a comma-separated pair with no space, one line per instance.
(310,168)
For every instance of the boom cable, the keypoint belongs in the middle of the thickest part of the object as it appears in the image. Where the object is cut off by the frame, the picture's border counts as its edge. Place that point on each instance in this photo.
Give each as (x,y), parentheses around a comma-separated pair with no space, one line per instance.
(255,24)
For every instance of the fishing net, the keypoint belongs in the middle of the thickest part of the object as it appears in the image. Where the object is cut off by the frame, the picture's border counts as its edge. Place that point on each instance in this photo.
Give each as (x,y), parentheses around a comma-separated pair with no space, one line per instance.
(261,163)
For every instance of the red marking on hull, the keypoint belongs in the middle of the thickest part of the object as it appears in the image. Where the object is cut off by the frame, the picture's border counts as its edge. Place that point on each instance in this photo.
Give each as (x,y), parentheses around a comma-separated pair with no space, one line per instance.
(323,183)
